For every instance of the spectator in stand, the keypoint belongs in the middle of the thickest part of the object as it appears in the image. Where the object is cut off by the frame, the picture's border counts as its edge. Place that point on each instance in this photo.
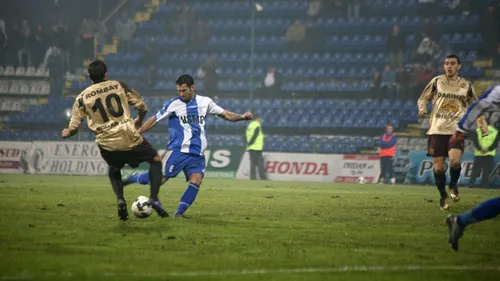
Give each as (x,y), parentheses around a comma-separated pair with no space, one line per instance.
(125,28)
(271,86)
(314,37)
(395,45)
(425,50)
(295,36)
(375,84)
(40,44)
(314,8)
(402,82)
(388,81)
(427,7)
(387,149)
(185,21)
(461,6)
(415,85)
(53,36)
(354,8)
(151,52)
(490,27)
(3,42)
(200,34)
(209,72)
(428,72)
(428,30)
(26,44)
(66,44)
(55,64)
(87,33)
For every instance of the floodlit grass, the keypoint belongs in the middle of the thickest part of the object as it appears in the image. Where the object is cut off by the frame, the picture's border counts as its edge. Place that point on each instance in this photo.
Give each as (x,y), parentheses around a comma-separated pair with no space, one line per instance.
(66,228)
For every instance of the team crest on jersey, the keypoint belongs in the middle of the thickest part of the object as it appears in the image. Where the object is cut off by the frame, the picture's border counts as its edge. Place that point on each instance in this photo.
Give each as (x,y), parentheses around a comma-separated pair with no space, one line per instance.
(463,85)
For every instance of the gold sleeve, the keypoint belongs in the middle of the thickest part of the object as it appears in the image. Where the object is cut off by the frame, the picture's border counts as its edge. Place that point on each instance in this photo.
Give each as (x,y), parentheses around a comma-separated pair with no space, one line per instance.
(77,114)
(134,98)
(427,95)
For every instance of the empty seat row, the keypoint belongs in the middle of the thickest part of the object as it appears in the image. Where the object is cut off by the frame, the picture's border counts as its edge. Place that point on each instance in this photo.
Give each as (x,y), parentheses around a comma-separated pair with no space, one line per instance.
(22,71)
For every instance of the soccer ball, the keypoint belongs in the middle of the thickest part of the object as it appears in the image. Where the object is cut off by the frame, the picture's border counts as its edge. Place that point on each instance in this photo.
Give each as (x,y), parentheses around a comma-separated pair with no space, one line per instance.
(140,208)
(361,180)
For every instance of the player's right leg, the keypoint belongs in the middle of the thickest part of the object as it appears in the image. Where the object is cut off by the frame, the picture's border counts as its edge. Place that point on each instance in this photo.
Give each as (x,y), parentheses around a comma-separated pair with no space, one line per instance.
(438,149)
(156,180)
(440,180)
(457,224)
(115,161)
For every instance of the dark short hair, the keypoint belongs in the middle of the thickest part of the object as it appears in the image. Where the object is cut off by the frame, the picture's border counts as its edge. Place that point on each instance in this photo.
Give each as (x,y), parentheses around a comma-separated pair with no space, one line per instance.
(453,56)
(97,70)
(185,79)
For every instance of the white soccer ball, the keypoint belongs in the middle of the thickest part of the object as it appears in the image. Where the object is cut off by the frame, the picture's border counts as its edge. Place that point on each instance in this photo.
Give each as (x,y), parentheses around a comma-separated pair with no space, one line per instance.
(140,207)
(361,180)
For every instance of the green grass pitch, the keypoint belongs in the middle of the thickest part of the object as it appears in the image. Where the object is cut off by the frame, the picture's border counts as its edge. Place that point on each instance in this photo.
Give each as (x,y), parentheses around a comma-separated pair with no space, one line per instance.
(66,228)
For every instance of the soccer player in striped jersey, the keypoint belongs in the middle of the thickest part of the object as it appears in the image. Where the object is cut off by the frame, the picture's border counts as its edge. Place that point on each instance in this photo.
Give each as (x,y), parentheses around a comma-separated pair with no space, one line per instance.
(489,208)
(188,140)
(450,95)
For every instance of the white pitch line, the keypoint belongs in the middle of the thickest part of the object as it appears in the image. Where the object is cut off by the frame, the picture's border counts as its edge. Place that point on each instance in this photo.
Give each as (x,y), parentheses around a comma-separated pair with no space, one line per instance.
(240,272)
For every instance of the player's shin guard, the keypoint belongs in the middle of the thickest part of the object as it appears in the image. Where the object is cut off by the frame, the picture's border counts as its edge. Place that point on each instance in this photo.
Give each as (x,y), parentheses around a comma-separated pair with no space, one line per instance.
(188,198)
(115,177)
(155,178)
(440,179)
(486,210)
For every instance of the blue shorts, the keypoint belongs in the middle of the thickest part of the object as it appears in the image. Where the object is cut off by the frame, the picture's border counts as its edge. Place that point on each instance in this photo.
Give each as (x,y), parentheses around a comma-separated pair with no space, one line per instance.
(189,163)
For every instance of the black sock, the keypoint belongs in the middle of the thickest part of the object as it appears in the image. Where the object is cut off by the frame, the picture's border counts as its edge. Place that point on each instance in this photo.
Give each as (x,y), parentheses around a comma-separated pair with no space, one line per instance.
(155,178)
(454,176)
(115,177)
(440,179)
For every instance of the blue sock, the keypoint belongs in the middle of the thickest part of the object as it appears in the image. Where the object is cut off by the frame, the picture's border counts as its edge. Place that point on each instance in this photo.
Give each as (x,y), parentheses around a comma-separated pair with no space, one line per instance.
(139,178)
(188,198)
(486,210)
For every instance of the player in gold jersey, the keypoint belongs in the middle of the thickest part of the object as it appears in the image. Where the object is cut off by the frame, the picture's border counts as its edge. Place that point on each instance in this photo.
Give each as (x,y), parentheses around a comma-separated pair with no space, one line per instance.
(105,104)
(450,95)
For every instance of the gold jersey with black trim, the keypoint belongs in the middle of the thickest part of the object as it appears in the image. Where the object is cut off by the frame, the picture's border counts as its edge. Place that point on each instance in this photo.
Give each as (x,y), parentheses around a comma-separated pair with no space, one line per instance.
(450,100)
(106,107)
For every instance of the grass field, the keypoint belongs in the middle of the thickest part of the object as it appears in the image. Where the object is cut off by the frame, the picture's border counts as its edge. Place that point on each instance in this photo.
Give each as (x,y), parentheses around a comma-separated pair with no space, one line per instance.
(66,228)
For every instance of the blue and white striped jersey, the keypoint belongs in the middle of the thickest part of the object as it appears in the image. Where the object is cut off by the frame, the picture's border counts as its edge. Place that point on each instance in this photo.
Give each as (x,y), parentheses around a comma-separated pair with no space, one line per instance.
(488,100)
(186,123)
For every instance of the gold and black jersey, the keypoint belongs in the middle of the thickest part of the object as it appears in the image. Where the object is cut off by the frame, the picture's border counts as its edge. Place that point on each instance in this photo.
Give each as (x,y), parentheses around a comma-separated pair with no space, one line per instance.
(450,100)
(106,107)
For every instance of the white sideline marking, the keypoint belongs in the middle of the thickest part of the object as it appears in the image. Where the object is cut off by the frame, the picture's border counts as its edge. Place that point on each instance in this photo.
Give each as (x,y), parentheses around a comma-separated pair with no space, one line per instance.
(265,271)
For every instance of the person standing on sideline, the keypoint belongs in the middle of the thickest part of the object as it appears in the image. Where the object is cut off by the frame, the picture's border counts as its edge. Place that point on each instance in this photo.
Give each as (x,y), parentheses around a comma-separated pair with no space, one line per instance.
(484,152)
(387,153)
(255,145)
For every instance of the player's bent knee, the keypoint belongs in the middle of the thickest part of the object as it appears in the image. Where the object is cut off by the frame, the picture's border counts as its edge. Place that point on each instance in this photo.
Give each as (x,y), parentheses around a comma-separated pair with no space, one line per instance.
(196,179)
(157,158)
(455,163)
(439,170)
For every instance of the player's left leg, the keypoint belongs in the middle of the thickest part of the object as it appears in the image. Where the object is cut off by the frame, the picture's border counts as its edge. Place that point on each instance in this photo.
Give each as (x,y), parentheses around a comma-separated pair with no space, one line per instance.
(456,224)
(115,177)
(194,171)
(455,156)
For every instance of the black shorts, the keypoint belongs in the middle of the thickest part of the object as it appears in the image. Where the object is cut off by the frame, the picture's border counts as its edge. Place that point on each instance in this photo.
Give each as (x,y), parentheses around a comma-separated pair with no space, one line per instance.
(439,145)
(144,152)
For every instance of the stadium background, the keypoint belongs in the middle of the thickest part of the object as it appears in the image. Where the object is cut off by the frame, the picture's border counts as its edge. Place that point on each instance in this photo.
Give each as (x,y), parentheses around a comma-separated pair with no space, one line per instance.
(326,98)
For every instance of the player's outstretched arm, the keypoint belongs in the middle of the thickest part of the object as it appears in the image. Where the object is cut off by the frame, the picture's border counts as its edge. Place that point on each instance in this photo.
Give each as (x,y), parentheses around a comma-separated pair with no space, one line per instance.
(148,125)
(77,116)
(425,97)
(233,117)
